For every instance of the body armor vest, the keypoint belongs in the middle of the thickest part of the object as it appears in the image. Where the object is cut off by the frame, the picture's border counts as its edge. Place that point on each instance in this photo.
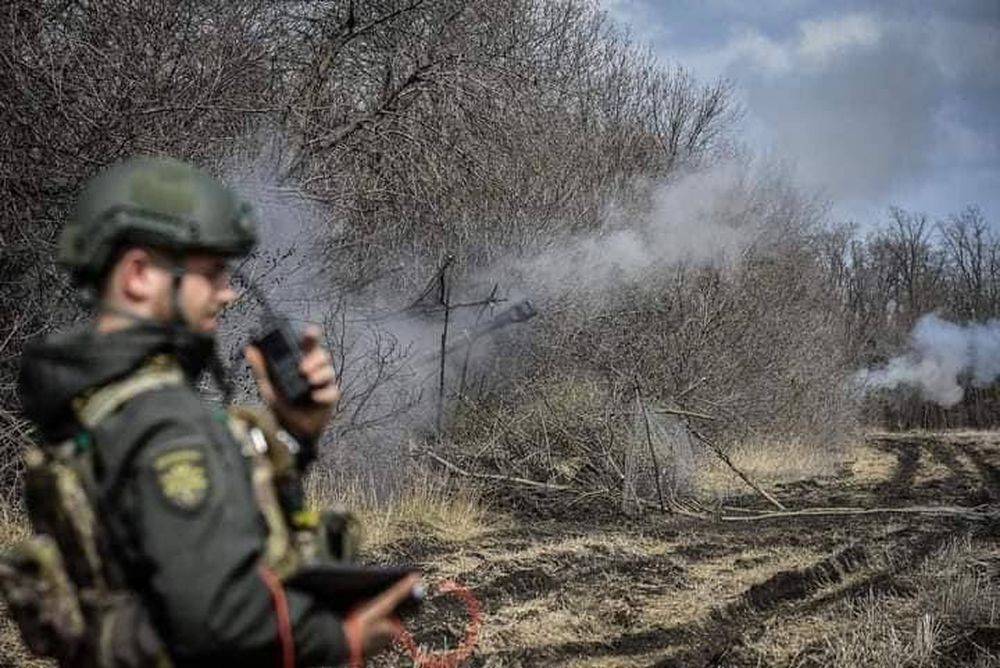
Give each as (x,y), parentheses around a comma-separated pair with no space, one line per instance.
(62,585)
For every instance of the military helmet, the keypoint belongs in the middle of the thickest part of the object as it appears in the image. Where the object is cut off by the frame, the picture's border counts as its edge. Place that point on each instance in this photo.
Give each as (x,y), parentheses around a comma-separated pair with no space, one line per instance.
(158,202)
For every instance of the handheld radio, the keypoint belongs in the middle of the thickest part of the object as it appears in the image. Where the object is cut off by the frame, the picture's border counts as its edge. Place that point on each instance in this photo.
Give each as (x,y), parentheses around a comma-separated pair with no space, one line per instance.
(279,343)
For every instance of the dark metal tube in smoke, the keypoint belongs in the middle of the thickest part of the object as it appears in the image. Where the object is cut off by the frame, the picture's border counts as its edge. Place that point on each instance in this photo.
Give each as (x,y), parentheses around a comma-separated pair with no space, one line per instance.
(519,312)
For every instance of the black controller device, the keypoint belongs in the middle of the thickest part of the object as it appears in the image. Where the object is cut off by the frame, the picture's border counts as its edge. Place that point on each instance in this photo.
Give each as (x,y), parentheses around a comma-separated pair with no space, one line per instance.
(282,352)
(343,586)
(281,346)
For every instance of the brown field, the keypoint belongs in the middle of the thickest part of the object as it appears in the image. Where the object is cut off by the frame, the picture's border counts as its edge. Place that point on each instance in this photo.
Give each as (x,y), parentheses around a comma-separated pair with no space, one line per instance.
(589,588)
(869,590)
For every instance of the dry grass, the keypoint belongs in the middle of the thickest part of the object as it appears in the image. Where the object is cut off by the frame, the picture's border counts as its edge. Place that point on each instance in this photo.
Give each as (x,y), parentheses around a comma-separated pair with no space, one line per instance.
(952,600)
(768,462)
(613,595)
(425,505)
(590,598)
(872,466)
(13,527)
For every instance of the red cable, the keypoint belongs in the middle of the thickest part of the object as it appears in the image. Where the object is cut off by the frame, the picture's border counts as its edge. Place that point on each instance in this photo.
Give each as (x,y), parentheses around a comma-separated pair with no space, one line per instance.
(421,659)
(284,621)
(459,655)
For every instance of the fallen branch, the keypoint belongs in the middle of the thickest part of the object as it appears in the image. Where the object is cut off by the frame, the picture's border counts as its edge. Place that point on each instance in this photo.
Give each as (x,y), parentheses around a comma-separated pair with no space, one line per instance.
(671,506)
(675,508)
(496,477)
(981,513)
(975,513)
(728,462)
(683,413)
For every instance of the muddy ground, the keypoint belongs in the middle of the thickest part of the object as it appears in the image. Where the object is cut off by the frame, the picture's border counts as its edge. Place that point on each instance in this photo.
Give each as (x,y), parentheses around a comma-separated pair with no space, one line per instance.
(594,589)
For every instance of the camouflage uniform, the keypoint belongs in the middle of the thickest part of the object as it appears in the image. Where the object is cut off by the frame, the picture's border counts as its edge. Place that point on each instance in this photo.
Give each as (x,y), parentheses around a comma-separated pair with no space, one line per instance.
(186,498)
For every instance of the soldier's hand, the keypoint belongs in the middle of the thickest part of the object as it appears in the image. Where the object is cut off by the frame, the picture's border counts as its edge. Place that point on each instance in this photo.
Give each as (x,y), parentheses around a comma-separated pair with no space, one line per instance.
(374,625)
(307,421)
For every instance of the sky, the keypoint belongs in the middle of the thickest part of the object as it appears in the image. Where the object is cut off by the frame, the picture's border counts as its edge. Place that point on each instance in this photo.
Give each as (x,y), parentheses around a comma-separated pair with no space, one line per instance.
(872,104)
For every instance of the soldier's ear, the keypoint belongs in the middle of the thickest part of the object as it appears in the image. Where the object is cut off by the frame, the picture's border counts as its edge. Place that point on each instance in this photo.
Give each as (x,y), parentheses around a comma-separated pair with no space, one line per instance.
(139,276)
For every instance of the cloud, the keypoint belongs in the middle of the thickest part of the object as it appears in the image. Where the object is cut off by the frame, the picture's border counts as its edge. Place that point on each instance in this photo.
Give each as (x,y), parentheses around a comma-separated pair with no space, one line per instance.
(851,100)
(856,121)
(755,49)
(864,104)
(821,41)
(867,100)
(816,44)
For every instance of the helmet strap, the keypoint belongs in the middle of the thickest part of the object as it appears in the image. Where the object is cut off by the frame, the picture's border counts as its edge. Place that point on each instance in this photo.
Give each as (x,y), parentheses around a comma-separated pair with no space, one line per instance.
(179,326)
(177,318)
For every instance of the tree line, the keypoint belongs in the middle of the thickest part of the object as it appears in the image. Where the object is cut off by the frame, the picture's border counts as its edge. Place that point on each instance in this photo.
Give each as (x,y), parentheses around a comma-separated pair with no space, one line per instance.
(478,130)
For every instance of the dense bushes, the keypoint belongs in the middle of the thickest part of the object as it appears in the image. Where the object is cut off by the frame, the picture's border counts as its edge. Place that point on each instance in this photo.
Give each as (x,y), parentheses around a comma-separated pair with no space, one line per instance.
(526,139)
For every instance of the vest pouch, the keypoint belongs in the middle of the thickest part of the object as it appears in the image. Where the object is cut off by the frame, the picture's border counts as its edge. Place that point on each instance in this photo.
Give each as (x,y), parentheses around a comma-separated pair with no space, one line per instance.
(56,583)
(323,536)
(344,534)
(42,599)
(273,473)
(58,502)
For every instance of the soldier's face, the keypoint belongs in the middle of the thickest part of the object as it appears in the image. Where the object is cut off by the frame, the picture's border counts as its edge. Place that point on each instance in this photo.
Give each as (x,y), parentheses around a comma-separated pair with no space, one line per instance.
(205,291)
(142,283)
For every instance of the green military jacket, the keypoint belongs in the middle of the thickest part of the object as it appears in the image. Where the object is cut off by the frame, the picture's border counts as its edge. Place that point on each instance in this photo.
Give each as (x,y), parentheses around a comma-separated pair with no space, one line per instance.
(175,494)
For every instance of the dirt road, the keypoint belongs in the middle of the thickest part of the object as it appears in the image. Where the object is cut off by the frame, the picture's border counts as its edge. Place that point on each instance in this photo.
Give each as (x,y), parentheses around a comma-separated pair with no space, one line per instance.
(675,591)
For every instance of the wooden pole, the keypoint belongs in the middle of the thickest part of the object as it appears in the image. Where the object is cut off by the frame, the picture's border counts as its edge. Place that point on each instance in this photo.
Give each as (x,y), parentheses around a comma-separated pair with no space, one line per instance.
(652,450)
(444,295)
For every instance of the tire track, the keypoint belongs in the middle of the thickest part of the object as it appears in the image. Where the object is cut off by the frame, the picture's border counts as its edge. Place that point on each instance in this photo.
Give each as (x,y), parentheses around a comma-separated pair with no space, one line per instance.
(908,462)
(763,602)
(578,576)
(989,474)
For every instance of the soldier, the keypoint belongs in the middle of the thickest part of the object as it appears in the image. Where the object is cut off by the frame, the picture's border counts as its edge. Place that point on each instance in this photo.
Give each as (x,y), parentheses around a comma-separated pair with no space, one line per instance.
(191,548)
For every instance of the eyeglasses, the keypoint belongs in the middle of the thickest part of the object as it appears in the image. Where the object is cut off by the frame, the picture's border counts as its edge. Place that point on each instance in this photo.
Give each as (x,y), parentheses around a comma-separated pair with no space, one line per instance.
(216,271)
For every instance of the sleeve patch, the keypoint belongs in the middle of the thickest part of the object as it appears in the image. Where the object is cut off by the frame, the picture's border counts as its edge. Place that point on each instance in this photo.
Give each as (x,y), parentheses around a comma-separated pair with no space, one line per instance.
(182,477)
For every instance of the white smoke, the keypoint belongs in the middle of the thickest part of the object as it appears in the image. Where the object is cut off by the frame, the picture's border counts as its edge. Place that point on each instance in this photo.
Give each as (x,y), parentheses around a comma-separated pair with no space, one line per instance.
(701,217)
(388,355)
(942,355)
(288,268)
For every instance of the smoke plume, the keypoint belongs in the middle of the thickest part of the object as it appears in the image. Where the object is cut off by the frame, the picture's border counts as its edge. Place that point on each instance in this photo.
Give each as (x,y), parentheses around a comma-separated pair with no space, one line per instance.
(943,355)
(388,354)
(701,217)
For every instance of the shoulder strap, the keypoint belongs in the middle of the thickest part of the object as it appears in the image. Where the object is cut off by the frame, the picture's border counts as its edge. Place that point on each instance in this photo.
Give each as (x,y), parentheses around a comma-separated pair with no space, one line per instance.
(159,371)
(247,425)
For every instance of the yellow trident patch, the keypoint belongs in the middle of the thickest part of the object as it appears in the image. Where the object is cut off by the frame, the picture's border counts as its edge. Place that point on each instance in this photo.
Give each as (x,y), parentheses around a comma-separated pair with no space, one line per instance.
(182,477)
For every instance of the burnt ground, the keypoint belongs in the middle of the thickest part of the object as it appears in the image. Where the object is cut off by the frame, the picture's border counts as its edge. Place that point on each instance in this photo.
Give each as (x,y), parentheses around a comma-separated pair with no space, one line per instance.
(676,591)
